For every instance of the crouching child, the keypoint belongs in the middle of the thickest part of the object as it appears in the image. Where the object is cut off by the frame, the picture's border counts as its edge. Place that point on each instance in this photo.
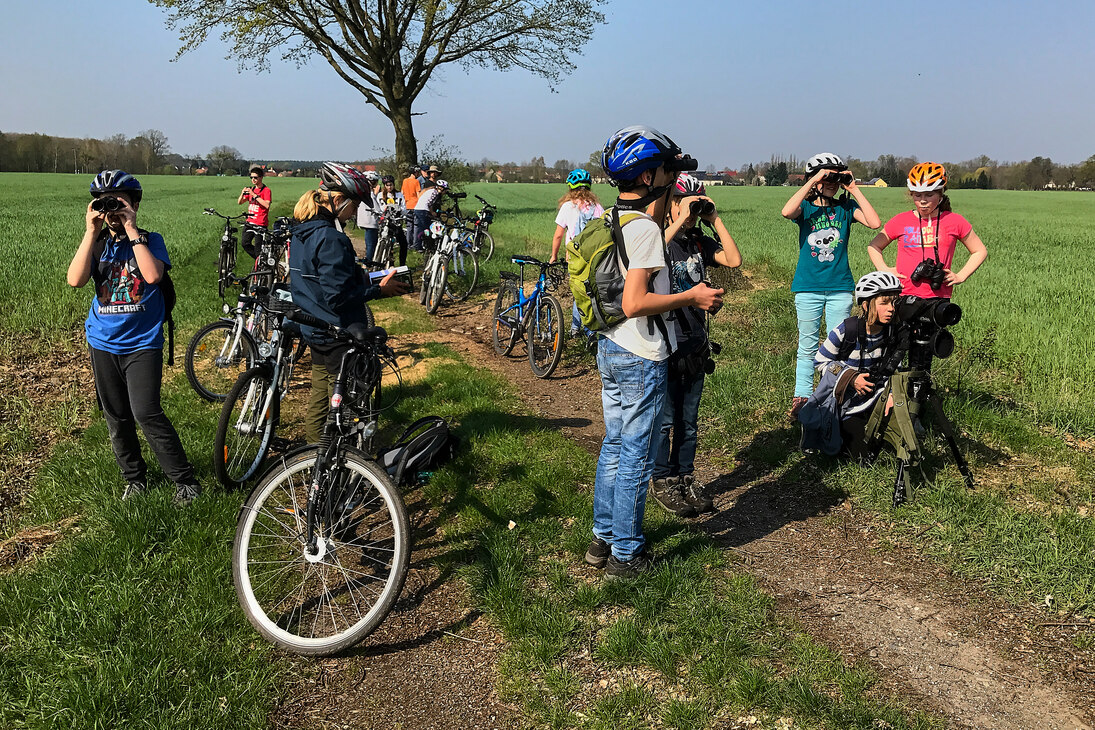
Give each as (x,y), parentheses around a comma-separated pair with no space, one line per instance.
(835,417)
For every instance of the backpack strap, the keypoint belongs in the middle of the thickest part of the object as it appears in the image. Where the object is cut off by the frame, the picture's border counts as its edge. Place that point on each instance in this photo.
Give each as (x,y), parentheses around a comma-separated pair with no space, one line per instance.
(855,335)
(653,321)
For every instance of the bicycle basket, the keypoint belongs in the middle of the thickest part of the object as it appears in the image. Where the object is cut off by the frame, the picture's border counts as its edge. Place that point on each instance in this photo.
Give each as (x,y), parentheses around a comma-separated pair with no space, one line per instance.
(486,216)
(280,301)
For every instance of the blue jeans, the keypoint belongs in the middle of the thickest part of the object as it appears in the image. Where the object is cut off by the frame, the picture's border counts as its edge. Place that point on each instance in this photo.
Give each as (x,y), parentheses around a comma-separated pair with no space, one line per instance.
(680,415)
(632,394)
(837,305)
(421,224)
(372,236)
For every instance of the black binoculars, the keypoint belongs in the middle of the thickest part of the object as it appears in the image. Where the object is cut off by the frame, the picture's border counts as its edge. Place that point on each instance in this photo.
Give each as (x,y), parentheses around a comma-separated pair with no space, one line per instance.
(107,204)
(701,207)
(929,270)
(840,178)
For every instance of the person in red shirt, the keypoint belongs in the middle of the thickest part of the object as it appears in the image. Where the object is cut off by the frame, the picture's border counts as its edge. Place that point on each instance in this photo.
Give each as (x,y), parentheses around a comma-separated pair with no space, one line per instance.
(258,199)
(927,238)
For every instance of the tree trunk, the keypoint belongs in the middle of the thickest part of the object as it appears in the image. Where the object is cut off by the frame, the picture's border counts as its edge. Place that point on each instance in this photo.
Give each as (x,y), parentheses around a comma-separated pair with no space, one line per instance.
(406,146)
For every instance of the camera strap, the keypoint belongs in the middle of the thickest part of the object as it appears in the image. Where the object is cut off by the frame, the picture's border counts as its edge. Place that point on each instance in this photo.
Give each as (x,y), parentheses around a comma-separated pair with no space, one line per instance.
(935,237)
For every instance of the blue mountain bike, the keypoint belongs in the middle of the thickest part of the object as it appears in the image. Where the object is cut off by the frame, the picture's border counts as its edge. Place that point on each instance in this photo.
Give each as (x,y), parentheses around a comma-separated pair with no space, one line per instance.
(537,317)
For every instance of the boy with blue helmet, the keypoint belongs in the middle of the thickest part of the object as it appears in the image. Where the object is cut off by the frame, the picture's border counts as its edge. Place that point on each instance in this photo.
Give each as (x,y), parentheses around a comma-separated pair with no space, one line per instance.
(124,331)
(632,356)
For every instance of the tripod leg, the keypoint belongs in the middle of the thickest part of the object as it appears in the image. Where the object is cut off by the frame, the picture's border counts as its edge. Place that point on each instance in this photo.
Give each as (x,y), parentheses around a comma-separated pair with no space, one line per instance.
(948,432)
(899,493)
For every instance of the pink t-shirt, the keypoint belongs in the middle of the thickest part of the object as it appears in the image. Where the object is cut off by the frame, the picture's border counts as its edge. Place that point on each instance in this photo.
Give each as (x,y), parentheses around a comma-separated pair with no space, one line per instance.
(256,214)
(916,240)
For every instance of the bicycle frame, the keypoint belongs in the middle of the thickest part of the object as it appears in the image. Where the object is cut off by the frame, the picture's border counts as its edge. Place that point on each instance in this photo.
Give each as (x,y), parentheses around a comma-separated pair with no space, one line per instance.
(523,319)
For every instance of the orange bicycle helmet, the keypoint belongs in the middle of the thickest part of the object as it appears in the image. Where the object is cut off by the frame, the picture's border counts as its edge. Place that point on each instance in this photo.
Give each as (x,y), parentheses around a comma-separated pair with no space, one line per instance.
(926,177)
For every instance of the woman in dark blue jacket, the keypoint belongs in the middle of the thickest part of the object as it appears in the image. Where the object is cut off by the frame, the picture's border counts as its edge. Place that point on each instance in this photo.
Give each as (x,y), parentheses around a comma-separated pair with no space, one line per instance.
(325,278)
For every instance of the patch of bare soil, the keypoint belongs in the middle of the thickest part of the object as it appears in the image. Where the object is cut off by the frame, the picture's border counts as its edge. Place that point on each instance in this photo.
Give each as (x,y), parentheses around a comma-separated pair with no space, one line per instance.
(31,377)
(942,642)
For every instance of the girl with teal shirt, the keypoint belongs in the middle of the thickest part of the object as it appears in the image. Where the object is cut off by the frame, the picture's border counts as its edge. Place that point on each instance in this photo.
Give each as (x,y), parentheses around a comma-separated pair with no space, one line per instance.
(823,282)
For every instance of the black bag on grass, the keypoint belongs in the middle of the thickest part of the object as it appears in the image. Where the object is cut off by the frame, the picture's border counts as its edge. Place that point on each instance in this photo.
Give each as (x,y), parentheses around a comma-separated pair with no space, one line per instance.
(427,443)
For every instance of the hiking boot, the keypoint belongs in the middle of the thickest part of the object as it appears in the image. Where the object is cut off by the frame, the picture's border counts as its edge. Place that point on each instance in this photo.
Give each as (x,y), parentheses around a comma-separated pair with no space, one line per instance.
(597,553)
(186,493)
(796,405)
(135,487)
(668,493)
(634,568)
(696,495)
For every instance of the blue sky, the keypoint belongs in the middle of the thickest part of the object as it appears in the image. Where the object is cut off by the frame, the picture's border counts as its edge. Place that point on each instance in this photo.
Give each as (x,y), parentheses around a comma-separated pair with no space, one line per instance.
(732,82)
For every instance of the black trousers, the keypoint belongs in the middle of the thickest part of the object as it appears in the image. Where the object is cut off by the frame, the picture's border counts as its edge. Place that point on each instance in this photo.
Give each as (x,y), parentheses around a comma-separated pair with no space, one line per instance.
(128,387)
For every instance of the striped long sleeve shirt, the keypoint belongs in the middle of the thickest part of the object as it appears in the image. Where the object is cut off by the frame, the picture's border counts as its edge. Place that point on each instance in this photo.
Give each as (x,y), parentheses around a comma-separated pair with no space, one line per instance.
(861,359)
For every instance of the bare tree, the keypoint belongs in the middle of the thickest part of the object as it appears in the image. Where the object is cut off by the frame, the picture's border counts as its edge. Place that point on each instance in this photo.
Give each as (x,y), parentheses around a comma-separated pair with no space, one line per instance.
(389,49)
(224,158)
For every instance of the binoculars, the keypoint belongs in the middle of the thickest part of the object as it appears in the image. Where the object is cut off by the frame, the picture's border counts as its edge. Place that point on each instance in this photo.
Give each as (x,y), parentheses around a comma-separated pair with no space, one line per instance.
(701,207)
(107,204)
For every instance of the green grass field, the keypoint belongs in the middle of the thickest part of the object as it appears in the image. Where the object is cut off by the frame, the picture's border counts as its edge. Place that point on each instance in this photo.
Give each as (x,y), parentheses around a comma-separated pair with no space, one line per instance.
(1025,336)
(133,621)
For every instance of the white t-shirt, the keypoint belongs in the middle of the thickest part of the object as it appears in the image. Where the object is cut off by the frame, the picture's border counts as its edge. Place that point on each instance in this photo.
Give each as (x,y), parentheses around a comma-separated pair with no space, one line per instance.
(366,213)
(645,250)
(427,199)
(574,217)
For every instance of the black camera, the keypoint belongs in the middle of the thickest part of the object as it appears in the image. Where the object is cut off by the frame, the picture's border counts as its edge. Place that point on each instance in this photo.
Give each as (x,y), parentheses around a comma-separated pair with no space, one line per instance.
(685,163)
(840,178)
(107,204)
(929,270)
(921,332)
(701,207)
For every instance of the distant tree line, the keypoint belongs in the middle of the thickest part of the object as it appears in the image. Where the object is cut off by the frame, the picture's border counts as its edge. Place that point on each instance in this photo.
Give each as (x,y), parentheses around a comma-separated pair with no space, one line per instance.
(149,152)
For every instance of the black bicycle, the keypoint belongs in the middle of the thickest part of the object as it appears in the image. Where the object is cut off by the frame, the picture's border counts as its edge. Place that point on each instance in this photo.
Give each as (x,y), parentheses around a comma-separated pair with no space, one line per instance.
(226,260)
(479,240)
(252,410)
(322,544)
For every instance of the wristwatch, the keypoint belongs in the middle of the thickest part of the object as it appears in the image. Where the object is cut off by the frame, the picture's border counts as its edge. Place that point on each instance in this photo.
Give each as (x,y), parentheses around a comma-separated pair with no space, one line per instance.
(141,239)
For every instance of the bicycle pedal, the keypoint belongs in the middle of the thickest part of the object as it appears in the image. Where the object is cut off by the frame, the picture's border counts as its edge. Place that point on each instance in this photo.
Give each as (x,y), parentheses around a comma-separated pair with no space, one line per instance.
(282,444)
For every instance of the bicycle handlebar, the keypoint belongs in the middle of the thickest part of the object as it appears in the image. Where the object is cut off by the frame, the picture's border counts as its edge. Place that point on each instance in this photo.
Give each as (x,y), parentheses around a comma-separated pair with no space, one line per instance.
(211,211)
(354,333)
(483,202)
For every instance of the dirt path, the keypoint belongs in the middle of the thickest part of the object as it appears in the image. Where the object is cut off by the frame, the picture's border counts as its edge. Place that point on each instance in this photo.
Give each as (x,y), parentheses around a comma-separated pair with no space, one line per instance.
(941,641)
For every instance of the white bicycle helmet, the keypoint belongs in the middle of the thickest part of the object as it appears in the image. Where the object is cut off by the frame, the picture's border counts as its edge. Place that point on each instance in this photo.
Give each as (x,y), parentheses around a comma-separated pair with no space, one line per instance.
(875,283)
(371,176)
(688,185)
(442,184)
(824,161)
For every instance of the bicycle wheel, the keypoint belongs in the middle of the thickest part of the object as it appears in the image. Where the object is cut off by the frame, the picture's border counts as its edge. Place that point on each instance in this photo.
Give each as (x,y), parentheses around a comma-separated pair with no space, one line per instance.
(223,271)
(486,245)
(424,290)
(545,336)
(506,322)
(216,356)
(246,427)
(462,273)
(323,600)
(437,288)
(383,253)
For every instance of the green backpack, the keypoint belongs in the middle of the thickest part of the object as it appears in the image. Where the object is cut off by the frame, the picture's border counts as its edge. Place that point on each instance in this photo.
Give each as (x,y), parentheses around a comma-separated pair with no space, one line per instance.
(596,279)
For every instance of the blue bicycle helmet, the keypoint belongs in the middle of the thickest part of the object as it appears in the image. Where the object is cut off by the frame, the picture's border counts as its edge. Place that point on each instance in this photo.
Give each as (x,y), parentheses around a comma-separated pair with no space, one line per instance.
(116,181)
(579,178)
(633,150)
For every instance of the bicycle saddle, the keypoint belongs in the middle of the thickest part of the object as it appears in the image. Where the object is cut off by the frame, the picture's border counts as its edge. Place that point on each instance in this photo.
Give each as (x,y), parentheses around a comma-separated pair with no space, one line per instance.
(526,260)
(374,336)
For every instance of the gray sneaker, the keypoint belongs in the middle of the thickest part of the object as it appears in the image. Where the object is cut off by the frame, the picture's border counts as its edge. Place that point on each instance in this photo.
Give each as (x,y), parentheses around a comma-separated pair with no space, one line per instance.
(186,493)
(696,495)
(135,487)
(597,553)
(668,493)
(634,568)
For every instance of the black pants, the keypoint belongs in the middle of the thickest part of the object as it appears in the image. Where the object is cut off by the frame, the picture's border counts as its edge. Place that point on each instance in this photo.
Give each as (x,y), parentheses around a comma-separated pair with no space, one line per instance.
(128,387)
(247,240)
(402,239)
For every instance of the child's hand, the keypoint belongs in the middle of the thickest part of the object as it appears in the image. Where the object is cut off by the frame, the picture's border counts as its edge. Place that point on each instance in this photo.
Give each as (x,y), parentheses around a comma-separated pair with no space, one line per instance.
(863,384)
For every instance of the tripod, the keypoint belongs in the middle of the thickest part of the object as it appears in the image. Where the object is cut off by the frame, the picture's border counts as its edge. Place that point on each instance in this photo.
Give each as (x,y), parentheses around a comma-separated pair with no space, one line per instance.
(900,427)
